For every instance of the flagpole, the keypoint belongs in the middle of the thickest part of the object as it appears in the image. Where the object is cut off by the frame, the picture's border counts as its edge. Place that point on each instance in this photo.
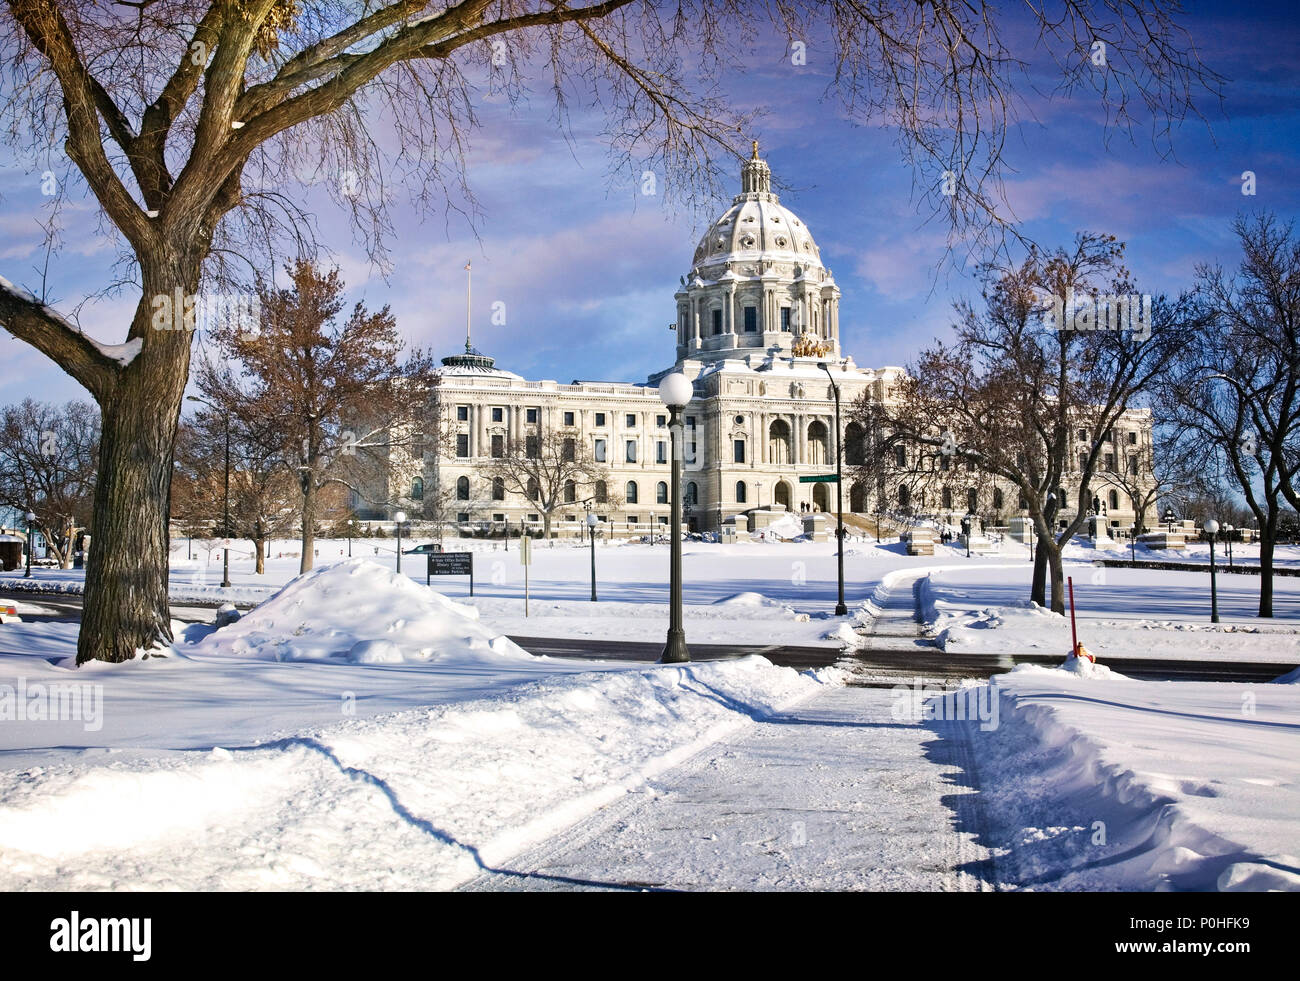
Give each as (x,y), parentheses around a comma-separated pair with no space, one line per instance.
(468,293)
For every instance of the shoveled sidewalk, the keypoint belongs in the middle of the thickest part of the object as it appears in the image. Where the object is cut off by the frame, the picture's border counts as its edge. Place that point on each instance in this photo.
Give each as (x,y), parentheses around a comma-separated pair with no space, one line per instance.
(833,794)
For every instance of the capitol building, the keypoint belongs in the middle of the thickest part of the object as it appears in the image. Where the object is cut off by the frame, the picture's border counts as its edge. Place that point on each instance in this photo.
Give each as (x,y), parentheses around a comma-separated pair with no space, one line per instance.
(758,316)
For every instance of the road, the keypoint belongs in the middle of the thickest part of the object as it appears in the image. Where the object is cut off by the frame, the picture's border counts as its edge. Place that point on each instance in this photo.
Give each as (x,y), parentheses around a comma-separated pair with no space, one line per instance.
(881,666)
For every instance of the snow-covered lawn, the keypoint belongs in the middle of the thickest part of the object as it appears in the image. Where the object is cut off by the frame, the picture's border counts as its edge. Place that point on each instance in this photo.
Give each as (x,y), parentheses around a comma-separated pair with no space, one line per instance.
(1121,613)
(1122,784)
(268,754)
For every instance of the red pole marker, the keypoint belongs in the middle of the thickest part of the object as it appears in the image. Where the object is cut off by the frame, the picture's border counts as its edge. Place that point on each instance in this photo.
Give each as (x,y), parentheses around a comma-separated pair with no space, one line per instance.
(1078,650)
(1074,630)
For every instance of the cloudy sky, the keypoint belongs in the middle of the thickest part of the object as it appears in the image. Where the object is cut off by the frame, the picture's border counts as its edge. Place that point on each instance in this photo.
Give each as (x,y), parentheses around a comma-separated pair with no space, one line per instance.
(586,265)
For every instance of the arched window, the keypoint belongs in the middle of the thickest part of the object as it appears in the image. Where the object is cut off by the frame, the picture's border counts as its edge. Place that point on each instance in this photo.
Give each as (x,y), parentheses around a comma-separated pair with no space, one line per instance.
(778,442)
(602,495)
(904,495)
(462,489)
(854,452)
(570,492)
(947,498)
(534,491)
(631,492)
(819,451)
(498,489)
(661,493)
(692,494)
(900,456)
(417,489)
(971,501)
(1114,500)
(740,492)
(997,499)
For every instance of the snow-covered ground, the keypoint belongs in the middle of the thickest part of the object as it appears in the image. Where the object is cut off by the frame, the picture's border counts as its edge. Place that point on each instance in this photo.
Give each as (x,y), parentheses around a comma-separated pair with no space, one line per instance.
(1110,783)
(1121,613)
(358,730)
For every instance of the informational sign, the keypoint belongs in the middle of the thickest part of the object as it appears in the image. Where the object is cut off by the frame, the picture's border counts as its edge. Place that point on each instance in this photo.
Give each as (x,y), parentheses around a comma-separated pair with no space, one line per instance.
(451,564)
(821,478)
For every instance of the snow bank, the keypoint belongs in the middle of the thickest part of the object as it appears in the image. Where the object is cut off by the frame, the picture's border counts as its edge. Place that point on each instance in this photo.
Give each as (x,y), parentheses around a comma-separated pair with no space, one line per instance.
(421,799)
(1109,783)
(359,612)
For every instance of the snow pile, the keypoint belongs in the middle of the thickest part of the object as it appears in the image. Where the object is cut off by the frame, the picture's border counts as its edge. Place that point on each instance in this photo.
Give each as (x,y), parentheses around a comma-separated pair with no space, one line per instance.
(358,612)
(786,527)
(1110,783)
(421,799)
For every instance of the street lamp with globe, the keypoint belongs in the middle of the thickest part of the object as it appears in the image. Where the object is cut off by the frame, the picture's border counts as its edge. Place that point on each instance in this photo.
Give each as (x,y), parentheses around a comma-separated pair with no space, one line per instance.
(592,521)
(31,519)
(675,391)
(399,517)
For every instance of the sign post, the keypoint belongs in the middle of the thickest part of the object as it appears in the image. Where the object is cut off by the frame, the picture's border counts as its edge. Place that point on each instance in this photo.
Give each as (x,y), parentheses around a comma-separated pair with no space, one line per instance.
(525,559)
(451,564)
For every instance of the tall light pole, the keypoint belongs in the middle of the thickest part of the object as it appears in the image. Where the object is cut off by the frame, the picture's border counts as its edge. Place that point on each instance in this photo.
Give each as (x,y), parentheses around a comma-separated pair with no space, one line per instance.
(1211,528)
(840,608)
(30,516)
(592,521)
(399,517)
(675,390)
(352,530)
(1227,543)
(225,530)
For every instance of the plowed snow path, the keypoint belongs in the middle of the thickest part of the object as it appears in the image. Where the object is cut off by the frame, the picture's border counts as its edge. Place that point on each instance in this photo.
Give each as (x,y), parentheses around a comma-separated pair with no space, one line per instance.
(832,794)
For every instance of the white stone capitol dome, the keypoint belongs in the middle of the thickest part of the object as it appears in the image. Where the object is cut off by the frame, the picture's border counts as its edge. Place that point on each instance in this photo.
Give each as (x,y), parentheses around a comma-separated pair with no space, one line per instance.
(757,224)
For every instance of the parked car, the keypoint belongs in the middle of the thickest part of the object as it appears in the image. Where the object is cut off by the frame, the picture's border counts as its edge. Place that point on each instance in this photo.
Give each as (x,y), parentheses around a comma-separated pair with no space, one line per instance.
(424,549)
(9,614)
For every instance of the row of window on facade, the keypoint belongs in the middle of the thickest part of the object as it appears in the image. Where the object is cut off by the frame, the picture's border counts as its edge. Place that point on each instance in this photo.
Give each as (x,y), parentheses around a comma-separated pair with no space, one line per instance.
(972,499)
(570,417)
(1108,462)
(600,491)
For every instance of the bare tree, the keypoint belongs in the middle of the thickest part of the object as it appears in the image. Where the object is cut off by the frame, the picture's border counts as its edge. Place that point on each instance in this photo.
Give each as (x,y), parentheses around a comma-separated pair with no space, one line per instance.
(47,467)
(263,494)
(1028,398)
(186,119)
(330,400)
(1233,392)
(549,469)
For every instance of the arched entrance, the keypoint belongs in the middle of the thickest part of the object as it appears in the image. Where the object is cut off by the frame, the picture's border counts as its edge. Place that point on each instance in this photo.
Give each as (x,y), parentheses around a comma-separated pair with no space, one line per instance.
(821,497)
(783,494)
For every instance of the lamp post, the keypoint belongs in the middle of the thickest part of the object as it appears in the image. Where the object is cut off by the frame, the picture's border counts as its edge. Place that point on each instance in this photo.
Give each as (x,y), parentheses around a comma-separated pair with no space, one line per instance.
(1132,543)
(966,526)
(31,517)
(225,521)
(840,608)
(675,391)
(352,530)
(1169,519)
(1227,543)
(592,521)
(399,517)
(1211,528)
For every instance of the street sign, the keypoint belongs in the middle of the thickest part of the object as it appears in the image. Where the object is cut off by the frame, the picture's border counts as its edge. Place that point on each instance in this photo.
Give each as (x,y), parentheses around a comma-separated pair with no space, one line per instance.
(821,478)
(451,564)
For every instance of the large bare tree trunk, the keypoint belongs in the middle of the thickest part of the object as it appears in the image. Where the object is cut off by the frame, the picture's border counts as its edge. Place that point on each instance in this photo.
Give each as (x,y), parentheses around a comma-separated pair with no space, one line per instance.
(259,544)
(1058,578)
(126,607)
(1266,575)
(1038,588)
(308,525)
